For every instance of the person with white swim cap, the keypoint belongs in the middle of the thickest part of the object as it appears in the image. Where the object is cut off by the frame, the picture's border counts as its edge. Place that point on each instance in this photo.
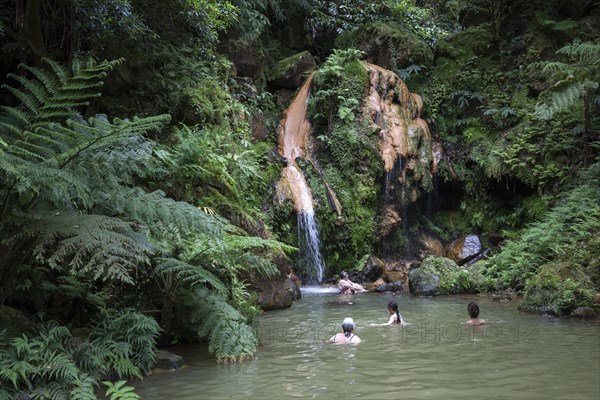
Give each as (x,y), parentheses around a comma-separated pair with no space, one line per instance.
(347,336)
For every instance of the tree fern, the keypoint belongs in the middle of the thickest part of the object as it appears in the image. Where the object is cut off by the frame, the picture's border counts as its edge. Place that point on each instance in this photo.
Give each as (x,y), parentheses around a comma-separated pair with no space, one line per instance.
(45,176)
(130,334)
(230,337)
(574,78)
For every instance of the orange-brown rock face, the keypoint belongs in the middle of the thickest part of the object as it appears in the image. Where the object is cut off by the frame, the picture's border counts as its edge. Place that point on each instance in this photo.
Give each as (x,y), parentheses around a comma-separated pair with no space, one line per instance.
(394,112)
(293,134)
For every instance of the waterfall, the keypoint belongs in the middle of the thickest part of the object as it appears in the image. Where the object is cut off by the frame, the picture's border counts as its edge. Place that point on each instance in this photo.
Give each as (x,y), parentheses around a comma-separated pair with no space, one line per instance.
(309,243)
(293,134)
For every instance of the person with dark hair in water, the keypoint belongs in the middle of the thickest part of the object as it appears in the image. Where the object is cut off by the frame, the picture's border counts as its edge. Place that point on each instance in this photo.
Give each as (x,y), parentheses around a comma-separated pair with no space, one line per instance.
(395,317)
(347,336)
(346,286)
(473,310)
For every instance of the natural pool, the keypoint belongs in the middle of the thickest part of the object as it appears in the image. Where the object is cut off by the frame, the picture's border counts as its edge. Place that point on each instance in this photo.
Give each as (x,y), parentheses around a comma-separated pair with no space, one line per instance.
(517,355)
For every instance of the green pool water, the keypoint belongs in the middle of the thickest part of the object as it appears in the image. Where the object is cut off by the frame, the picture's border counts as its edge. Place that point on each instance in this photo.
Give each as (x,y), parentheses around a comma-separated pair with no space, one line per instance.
(516,355)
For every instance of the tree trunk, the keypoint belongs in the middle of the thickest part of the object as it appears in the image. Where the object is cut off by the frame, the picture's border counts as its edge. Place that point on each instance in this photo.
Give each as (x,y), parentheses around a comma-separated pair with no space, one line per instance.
(32,31)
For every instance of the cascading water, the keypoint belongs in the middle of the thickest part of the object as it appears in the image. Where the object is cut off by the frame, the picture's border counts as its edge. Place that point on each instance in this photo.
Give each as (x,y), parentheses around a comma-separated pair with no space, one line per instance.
(308,237)
(293,134)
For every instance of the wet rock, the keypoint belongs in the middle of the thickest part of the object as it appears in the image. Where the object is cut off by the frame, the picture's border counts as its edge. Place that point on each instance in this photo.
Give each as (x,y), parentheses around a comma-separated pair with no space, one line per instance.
(390,287)
(389,220)
(275,295)
(289,72)
(584,312)
(168,361)
(372,287)
(249,58)
(464,248)
(432,246)
(502,296)
(294,288)
(373,269)
(495,239)
(423,282)
(393,276)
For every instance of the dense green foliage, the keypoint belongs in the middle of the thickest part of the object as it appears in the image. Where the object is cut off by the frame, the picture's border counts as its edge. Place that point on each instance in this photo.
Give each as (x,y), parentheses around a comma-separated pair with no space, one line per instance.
(118,235)
(74,219)
(560,252)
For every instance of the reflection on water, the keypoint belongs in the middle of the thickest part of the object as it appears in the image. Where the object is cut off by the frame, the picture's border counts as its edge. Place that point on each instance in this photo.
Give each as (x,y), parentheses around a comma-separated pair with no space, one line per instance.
(517,355)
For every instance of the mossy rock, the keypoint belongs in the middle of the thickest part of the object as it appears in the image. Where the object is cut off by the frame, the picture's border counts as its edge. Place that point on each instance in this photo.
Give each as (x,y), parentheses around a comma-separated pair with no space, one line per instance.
(558,289)
(290,72)
(439,276)
(387,45)
(248,57)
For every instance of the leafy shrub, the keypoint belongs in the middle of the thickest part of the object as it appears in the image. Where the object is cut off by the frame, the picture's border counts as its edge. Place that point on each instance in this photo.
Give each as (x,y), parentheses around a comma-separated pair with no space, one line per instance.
(567,233)
(558,288)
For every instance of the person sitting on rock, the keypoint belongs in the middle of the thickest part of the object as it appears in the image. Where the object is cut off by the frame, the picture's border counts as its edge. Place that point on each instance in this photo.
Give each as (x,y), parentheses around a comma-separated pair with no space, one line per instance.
(395,317)
(347,336)
(473,310)
(293,277)
(346,286)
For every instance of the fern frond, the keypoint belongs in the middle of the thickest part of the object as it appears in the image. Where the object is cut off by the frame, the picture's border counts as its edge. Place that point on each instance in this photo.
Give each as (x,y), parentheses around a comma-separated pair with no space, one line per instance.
(560,101)
(118,391)
(556,66)
(83,389)
(586,52)
(191,274)
(230,337)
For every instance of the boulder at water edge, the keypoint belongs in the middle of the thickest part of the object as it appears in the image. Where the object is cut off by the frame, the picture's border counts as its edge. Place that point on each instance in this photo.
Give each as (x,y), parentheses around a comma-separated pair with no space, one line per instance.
(373,269)
(168,361)
(276,295)
(440,275)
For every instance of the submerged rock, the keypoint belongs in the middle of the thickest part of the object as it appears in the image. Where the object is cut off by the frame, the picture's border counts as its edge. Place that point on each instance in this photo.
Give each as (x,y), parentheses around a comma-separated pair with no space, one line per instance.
(584,312)
(168,361)
(390,287)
